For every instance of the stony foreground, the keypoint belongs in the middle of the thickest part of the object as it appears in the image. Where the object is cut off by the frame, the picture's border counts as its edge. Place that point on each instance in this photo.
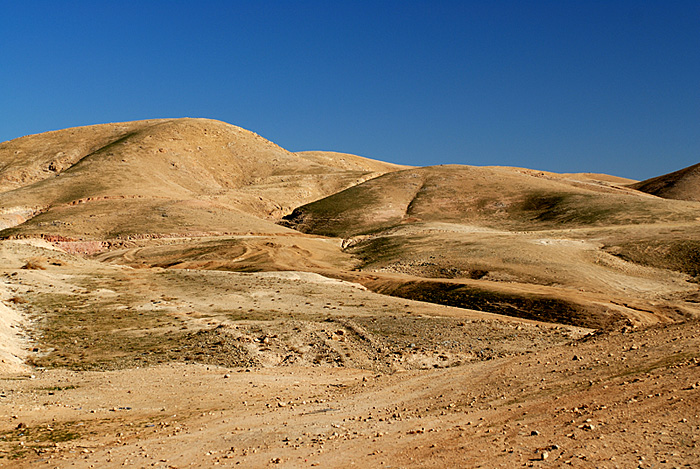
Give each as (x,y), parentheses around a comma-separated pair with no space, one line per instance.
(622,399)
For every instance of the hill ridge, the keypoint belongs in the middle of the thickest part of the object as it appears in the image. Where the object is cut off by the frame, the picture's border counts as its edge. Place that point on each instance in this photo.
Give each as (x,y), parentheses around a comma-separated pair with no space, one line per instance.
(683,184)
(218,165)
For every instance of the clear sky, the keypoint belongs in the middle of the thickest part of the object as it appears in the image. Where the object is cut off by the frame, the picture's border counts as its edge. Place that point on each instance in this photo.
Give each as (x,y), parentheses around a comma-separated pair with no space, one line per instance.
(567,86)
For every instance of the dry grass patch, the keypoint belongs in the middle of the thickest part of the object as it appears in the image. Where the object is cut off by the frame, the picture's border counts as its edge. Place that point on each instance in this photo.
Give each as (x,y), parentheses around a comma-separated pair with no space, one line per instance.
(35,263)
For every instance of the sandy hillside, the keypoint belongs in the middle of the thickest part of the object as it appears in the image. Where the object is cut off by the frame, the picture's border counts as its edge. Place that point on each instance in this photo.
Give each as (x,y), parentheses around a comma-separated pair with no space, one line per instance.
(683,184)
(522,243)
(185,293)
(170,176)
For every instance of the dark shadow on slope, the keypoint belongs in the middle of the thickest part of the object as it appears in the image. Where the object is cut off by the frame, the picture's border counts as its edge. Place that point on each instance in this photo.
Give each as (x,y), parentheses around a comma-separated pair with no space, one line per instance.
(526,306)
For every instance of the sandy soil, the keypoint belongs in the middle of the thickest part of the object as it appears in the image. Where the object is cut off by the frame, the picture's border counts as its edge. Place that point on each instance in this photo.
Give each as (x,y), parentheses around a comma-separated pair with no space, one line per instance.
(319,382)
(13,347)
(614,400)
(155,312)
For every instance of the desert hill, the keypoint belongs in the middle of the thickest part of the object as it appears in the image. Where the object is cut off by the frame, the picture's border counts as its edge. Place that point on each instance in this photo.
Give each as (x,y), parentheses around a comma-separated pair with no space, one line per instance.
(161,177)
(581,249)
(182,292)
(520,242)
(490,197)
(683,184)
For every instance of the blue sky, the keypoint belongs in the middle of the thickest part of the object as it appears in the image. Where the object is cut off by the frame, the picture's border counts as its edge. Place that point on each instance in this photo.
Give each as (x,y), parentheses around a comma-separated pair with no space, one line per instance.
(566,86)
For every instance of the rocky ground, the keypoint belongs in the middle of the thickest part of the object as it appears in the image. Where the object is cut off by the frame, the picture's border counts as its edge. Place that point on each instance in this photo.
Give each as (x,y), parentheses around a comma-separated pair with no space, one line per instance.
(619,399)
(188,368)
(184,293)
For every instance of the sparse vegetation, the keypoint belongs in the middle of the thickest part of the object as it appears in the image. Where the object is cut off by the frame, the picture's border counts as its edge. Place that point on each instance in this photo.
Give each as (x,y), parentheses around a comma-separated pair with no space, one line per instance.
(17,300)
(36,263)
(682,255)
(413,311)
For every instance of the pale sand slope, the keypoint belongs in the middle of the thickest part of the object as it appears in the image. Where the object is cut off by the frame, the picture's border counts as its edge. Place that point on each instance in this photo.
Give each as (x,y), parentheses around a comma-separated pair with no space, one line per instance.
(12,344)
(13,322)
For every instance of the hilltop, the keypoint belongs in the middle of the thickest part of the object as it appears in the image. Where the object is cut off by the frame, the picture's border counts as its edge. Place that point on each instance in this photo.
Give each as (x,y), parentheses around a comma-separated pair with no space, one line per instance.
(683,184)
(161,177)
